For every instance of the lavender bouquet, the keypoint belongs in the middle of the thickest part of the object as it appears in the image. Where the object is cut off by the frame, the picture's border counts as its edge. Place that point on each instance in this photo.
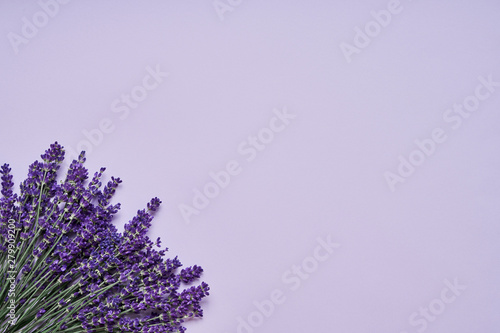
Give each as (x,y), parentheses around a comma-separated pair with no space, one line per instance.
(65,268)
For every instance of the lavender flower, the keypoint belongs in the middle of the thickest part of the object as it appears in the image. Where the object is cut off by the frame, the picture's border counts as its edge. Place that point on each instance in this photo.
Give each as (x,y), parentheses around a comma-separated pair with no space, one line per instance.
(66,268)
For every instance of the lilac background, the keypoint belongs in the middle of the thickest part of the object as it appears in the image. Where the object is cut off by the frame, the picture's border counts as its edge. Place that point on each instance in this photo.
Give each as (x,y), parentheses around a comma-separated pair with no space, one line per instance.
(322,175)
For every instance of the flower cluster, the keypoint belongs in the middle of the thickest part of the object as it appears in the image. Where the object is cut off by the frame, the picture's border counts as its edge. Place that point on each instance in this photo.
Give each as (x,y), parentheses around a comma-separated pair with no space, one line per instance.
(66,268)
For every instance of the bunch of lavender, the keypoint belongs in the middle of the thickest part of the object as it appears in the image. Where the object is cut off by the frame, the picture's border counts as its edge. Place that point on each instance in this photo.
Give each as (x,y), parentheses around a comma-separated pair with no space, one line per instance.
(65,268)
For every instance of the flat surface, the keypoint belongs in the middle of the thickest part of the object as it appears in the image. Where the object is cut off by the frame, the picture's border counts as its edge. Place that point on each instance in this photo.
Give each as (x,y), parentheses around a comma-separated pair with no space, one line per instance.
(333,165)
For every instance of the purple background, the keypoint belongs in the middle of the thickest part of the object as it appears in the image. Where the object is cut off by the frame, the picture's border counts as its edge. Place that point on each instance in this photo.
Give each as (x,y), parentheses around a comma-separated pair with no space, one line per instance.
(322,175)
